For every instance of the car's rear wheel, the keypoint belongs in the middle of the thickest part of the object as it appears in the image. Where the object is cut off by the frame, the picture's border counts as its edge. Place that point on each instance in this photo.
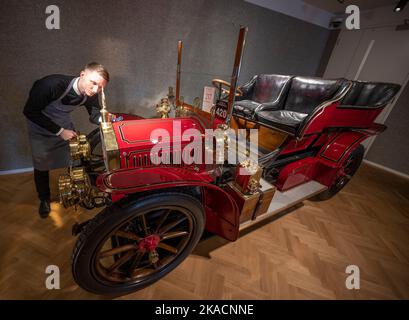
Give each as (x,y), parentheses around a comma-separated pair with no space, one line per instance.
(349,168)
(126,248)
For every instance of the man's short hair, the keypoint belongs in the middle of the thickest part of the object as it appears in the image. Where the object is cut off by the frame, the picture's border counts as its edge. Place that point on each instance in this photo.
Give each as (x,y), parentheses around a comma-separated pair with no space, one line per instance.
(102,71)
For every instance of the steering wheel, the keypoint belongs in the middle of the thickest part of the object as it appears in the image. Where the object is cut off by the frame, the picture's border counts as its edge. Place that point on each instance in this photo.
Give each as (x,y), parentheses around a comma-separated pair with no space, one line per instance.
(224,87)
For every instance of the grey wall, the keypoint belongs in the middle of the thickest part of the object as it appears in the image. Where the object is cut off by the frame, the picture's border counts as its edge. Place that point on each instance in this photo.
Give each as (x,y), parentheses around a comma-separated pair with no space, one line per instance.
(390,149)
(137,42)
(387,61)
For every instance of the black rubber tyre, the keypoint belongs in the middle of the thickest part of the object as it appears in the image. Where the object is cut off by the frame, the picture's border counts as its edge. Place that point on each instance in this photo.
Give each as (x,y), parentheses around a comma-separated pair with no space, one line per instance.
(145,217)
(350,166)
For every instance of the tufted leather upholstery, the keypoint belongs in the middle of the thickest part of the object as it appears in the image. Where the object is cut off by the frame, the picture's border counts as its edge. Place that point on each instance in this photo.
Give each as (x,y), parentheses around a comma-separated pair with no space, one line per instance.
(370,94)
(285,120)
(304,95)
(286,102)
(262,92)
(270,87)
(246,108)
(248,89)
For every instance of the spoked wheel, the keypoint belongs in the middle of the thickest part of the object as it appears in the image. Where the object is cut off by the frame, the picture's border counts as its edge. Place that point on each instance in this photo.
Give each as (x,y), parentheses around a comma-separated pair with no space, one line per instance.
(126,249)
(349,168)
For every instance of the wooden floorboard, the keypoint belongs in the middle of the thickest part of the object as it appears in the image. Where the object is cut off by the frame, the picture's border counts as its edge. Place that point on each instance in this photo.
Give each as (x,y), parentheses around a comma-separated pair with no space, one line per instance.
(301,255)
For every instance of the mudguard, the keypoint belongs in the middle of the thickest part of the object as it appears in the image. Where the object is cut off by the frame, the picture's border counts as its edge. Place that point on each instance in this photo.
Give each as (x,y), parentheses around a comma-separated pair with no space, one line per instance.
(326,165)
(332,155)
(222,213)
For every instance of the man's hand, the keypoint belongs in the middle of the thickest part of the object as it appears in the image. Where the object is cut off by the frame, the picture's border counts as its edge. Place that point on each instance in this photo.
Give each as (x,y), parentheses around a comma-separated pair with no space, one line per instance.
(115,118)
(67,134)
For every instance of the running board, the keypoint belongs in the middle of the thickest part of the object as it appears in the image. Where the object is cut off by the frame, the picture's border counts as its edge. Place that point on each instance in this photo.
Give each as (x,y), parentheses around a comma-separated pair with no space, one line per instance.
(284,200)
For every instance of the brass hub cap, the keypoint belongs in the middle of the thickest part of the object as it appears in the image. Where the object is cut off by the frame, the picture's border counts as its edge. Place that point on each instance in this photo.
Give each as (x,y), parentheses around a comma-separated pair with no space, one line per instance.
(149,243)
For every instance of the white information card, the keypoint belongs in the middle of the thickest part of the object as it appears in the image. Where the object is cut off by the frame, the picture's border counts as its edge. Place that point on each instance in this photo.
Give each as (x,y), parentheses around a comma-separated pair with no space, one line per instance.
(208,98)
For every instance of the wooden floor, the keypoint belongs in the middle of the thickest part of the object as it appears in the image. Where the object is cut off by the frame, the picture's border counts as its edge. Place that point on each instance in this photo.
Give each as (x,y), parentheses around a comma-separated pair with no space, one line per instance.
(301,255)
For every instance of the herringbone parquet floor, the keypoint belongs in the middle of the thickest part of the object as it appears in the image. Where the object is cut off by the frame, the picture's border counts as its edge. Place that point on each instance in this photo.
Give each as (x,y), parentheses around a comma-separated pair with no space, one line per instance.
(301,255)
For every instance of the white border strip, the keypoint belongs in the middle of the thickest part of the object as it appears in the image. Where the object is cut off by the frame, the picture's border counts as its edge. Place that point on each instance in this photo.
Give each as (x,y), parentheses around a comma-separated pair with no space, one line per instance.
(5,172)
(376,165)
(368,50)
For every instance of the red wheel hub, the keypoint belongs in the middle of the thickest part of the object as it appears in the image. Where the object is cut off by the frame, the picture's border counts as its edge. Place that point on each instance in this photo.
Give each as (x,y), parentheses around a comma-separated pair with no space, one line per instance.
(149,243)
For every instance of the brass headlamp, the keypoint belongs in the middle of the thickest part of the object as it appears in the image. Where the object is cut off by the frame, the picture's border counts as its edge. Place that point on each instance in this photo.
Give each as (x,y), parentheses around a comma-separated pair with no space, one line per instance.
(74,187)
(109,144)
(80,148)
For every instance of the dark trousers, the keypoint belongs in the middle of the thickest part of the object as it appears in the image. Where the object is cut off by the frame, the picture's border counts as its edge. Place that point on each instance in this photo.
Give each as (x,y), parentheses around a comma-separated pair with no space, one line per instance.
(42,182)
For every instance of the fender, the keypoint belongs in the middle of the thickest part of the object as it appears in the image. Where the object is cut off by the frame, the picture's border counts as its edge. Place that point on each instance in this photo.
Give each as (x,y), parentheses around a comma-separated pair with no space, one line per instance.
(222,213)
(325,166)
(338,147)
(331,157)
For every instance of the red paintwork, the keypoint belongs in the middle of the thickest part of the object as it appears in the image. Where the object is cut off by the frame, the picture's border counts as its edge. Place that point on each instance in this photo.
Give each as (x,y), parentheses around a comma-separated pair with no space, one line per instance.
(125,181)
(296,145)
(330,168)
(323,138)
(323,167)
(222,214)
(136,139)
(340,144)
(340,117)
(138,174)
(296,173)
(149,243)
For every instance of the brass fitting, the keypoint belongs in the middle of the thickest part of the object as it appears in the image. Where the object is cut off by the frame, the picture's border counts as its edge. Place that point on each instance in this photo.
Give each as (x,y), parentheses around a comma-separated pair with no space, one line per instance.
(163,108)
(80,148)
(74,187)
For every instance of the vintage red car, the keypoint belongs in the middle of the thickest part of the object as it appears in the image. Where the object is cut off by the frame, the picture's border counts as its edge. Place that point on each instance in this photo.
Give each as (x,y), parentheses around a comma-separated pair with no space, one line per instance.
(309,134)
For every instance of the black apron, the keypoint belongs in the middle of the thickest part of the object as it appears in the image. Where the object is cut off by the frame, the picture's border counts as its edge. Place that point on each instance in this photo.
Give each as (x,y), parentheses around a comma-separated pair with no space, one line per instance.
(50,151)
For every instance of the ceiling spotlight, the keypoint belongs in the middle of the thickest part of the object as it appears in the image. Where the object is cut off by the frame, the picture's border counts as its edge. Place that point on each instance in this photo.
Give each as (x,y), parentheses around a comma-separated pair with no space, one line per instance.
(401,4)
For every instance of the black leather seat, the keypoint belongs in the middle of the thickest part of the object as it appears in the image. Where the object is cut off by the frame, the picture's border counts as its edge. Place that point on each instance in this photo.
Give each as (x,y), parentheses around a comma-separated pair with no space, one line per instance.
(304,95)
(365,95)
(284,120)
(262,92)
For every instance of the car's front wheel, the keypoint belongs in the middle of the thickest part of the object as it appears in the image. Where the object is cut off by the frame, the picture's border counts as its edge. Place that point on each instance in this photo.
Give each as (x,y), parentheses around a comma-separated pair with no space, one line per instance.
(126,248)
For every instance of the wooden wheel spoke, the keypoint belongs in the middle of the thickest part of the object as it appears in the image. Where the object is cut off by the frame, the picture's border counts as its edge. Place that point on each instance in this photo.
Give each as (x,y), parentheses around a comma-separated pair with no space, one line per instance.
(117,250)
(121,261)
(174,234)
(141,272)
(127,235)
(145,228)
(171,225)
(136,261)
(142,246)
(167,247)
(162,220)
